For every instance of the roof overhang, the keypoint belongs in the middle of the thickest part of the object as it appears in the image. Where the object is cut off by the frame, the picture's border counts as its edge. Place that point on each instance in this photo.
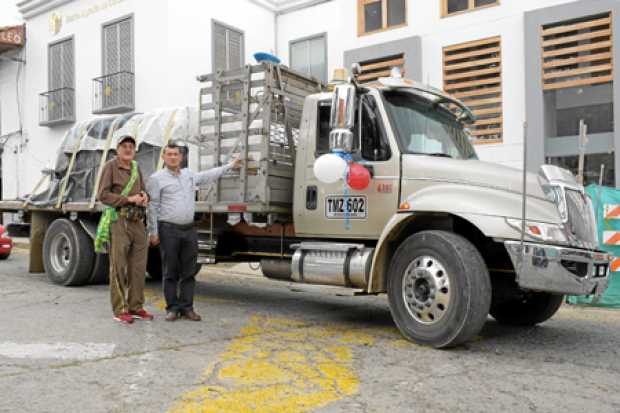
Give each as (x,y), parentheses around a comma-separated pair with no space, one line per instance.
(32,8)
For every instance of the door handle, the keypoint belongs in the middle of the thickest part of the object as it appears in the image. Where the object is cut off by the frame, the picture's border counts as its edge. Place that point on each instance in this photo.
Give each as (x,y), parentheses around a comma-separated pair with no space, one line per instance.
(311,197)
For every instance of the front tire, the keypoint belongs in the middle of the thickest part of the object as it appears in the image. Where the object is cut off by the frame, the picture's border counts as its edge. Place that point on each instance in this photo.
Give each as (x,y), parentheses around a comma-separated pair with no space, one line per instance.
(439,289)
(68,253)
(529,309)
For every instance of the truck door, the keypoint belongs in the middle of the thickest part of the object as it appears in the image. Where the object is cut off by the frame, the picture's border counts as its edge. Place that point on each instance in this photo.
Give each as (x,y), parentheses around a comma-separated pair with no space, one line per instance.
(322,210)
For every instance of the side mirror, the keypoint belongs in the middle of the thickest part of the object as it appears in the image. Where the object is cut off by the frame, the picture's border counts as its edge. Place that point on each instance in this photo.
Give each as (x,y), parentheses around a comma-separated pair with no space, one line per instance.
(342,118)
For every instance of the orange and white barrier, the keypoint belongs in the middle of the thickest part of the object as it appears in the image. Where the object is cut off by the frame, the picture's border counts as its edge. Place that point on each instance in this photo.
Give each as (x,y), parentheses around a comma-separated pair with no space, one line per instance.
(615,264)
(612,211)
(611,237)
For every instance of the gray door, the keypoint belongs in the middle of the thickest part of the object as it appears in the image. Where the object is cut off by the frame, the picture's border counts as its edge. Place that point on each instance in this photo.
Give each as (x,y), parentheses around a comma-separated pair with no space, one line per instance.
(228,47)
(118,64)
(60,79)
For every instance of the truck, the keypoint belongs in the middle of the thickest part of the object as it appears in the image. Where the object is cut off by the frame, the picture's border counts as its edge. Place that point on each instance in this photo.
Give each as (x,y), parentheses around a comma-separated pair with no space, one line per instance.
(449,238)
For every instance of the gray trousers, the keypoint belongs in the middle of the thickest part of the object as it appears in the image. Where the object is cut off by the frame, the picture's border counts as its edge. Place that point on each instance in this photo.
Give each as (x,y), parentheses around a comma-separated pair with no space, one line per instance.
(179,252)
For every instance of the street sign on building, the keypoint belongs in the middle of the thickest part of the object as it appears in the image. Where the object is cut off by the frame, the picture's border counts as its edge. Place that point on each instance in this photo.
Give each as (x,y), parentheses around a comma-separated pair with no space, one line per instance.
(11,37)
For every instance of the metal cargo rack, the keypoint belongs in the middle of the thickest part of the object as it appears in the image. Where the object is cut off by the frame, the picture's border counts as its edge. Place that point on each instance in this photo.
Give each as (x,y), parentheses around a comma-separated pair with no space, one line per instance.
(253,112)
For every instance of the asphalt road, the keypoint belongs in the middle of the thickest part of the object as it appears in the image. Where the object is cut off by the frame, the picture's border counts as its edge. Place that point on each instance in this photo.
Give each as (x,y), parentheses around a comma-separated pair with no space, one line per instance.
(266,347)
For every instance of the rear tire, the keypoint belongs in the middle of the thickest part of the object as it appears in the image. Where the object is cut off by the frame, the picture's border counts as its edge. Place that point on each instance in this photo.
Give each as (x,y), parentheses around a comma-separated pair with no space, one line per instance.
(4,256)
(68,253)
(101,270)
(529,309)
(439,289)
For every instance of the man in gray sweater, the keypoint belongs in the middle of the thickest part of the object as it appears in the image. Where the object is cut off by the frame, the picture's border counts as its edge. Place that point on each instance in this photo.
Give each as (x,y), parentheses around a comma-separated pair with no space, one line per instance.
(171,226)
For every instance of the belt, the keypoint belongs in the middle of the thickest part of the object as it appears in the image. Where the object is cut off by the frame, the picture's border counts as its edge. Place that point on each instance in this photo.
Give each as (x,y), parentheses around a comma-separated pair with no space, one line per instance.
(133,213)
(183,227)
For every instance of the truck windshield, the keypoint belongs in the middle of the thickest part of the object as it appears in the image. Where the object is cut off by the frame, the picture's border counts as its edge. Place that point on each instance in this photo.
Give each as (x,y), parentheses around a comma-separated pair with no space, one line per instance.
(424,129)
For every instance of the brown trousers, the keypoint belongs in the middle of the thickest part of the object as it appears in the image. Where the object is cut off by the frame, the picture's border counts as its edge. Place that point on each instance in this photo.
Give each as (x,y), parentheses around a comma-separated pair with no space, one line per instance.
(128,254)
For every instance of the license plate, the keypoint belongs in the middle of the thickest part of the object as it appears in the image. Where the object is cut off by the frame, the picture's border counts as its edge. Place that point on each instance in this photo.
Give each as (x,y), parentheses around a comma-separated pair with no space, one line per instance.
(338,206)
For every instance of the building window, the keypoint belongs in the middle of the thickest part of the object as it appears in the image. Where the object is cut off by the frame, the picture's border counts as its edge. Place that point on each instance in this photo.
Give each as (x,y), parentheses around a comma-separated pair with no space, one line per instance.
(577,53)
(372,70)
(450,7)
(378,15)
(114,91)
(309,56)
(56,106)
(577,79)
(473,74)
(228,47)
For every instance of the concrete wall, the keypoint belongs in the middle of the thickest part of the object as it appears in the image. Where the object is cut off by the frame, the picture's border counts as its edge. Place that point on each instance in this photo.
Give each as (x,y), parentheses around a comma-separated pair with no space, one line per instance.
(10,138)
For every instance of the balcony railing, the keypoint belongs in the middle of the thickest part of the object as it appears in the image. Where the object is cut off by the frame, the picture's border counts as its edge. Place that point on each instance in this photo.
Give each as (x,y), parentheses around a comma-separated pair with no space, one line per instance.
(57,107)
(113,93)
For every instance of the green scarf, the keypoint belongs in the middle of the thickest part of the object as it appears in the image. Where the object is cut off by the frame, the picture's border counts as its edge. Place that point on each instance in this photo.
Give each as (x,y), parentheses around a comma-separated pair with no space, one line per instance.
(109,215)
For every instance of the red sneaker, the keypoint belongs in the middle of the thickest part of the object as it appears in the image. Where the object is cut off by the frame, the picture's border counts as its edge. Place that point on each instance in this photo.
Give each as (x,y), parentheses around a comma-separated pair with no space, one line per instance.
(124,318)
(142,314)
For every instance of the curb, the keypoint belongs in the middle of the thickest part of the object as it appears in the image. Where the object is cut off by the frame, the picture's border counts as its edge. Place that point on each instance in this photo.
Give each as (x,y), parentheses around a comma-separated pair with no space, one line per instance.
(21,245)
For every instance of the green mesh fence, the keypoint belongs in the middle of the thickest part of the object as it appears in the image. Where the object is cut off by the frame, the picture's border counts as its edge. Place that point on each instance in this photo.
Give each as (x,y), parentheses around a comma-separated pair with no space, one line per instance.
(606,202)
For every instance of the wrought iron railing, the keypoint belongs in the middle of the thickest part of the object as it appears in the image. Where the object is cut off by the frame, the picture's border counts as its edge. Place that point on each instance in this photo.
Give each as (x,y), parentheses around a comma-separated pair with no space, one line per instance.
(57,107)
(113,93)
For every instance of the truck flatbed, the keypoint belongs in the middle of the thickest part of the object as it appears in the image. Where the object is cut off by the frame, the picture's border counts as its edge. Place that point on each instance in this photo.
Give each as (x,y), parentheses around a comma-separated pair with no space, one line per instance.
(18,205)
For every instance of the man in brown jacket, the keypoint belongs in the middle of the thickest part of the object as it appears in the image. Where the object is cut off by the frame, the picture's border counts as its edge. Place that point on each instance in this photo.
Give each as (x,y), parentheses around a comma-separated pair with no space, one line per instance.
(128,246)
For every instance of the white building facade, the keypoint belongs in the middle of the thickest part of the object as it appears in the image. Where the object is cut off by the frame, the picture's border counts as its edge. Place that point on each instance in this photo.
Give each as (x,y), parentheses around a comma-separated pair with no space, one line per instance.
(547,62)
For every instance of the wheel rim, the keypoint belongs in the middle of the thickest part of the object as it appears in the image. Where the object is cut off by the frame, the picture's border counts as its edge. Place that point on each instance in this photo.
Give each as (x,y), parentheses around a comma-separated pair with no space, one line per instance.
(426,289)
(60,253)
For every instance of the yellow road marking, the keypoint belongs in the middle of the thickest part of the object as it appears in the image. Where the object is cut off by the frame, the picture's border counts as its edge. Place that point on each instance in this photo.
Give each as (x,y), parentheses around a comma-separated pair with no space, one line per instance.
(279,365)
(157,301)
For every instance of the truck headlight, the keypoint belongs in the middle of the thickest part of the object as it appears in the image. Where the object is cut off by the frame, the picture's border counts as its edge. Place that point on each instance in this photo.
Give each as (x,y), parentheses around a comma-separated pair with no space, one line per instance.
(555,194)
(540,231)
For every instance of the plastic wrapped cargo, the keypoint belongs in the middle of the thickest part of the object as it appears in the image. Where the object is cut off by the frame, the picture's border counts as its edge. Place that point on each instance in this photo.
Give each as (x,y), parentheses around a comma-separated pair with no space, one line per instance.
(78,162)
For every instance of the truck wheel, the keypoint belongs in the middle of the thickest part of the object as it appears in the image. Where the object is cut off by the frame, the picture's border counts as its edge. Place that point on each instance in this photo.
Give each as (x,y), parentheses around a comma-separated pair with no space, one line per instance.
(530,309)
(439,289)
(153,264)
(68,253)
(101,270)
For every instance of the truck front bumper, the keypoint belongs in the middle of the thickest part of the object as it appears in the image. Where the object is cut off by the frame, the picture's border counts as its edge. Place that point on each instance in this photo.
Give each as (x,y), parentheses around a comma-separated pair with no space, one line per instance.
(559,270)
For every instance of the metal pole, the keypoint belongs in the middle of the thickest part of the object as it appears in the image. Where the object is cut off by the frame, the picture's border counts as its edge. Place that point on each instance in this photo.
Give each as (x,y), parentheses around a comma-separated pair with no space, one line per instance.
(601,175)
(524,201)
(583,140)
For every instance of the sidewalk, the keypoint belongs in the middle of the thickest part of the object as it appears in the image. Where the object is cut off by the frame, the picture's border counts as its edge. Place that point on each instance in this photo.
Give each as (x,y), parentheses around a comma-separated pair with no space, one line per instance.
(22,243)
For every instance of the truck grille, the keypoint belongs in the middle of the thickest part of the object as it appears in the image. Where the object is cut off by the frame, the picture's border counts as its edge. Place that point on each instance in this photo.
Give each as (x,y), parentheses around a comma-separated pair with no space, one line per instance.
(581,221)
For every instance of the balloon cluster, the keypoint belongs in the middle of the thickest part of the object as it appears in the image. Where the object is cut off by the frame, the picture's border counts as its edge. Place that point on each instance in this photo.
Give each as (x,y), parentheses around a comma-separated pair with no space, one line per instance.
(332,167)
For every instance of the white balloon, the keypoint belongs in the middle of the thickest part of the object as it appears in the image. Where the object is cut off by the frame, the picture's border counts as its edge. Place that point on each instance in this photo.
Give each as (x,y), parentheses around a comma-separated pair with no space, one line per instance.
(329,168)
